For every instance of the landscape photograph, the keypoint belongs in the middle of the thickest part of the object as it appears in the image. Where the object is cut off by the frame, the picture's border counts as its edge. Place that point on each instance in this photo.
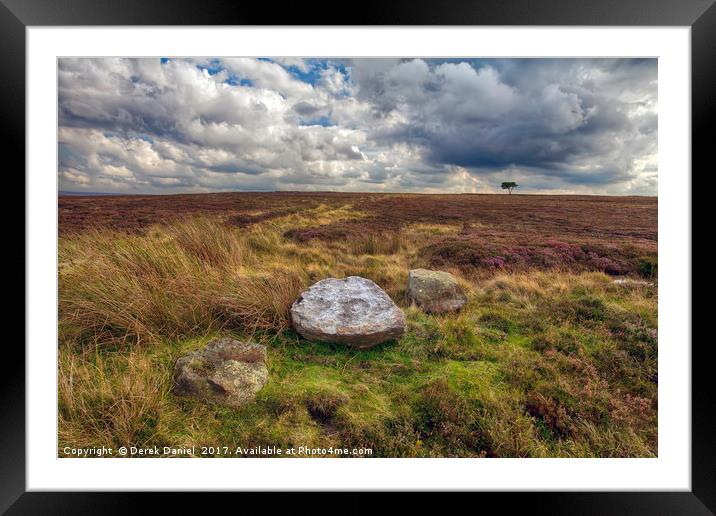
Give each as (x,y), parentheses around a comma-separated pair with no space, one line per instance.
(410,257)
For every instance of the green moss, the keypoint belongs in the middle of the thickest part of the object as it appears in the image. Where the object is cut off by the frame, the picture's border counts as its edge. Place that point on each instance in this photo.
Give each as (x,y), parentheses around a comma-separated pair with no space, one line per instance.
(561,374)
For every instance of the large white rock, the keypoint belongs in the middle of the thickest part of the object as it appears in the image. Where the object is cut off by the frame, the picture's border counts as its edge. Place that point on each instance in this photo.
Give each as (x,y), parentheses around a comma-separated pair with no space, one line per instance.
(353,311)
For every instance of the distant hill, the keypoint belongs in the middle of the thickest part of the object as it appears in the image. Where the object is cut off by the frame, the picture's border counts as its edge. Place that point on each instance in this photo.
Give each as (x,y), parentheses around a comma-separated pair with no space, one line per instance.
(62,193)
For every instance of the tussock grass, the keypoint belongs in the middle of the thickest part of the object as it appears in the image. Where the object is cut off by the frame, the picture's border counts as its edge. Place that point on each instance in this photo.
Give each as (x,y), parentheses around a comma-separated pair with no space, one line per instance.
(180,280)
(537,364)
(112,400)
(208,241)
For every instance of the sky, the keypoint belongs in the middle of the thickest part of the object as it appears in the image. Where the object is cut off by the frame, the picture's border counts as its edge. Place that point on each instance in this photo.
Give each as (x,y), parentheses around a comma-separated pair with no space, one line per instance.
(170,125)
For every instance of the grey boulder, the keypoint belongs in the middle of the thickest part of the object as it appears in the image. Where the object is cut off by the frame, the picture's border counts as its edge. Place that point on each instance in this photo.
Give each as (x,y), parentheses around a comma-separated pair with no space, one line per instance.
(353,311)
(226,371)
(435,291)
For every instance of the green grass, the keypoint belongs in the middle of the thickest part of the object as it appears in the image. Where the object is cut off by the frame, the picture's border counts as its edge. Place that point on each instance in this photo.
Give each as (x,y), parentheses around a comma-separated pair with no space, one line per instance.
(538,364)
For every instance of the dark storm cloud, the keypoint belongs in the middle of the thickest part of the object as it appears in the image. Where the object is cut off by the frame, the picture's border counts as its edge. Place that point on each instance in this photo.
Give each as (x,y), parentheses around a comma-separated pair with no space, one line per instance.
(582,121)
(305,109)
(150,125)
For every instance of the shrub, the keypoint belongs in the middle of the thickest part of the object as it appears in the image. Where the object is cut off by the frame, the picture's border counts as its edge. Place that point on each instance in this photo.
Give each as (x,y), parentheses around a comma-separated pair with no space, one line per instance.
(495,321)
(440,413)
(562,341)
(550,412)
(467,252)
(648,266)
(583,309)
(322,405)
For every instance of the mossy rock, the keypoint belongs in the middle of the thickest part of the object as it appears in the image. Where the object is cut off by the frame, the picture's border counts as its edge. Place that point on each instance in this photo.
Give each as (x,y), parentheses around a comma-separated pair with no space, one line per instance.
(435,291)
(226,372)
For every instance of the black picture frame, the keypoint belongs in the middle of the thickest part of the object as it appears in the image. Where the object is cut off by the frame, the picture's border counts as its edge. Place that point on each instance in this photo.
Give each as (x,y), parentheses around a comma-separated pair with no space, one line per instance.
(17,15)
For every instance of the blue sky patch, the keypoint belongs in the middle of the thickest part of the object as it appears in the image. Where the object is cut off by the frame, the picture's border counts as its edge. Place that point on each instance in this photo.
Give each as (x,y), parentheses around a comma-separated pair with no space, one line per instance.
(323,121)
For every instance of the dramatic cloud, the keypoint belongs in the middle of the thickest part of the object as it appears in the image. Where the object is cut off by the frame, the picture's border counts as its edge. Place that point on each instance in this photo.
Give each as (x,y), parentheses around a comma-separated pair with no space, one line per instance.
(457,125)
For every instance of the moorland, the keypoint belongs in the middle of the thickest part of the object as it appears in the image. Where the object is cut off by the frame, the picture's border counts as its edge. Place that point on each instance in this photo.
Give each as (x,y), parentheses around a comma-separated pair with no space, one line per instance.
(554,354)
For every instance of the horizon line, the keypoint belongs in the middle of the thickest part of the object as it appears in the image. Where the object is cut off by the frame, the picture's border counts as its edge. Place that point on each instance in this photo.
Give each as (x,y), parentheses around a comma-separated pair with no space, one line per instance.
(67,193)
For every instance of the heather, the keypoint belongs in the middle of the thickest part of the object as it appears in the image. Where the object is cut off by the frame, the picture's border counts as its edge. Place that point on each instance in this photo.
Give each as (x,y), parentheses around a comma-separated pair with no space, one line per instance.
(549,357)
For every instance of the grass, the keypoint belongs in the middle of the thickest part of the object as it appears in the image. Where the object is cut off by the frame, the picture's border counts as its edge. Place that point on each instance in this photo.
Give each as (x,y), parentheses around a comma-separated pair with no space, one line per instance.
(542,362)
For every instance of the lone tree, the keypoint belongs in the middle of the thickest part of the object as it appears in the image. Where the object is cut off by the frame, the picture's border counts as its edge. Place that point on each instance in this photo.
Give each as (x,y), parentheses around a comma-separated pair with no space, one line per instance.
(509,185)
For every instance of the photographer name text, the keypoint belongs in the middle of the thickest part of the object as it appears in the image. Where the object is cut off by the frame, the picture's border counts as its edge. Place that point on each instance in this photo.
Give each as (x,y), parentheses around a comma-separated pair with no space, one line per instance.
(213,451)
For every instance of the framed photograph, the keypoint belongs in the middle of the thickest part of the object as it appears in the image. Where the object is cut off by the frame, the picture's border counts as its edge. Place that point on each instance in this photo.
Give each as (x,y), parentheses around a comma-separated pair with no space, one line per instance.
(429,248)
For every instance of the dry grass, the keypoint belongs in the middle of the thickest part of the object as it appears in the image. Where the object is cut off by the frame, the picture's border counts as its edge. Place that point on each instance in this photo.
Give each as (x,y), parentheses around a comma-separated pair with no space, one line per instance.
(110,400)
(541,362)
(177,281)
